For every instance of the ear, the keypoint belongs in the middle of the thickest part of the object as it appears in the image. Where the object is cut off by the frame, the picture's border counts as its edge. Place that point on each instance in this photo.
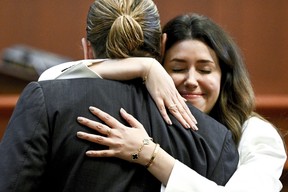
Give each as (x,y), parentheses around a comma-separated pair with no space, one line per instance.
(87,49)
(163,44)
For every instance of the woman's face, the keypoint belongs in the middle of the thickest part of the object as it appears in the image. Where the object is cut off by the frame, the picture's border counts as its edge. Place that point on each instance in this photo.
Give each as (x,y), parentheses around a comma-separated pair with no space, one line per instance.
(196,73)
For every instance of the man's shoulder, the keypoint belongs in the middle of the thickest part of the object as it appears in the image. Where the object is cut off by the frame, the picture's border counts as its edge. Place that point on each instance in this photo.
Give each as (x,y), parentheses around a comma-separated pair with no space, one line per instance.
(84,83)
(212,131)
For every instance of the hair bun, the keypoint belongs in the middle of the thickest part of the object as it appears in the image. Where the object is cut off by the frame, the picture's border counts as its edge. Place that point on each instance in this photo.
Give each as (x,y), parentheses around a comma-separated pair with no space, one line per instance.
(125,35)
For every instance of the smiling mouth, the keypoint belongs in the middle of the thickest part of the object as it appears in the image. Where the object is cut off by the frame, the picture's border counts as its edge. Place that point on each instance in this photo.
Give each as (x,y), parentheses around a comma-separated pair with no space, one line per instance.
(191,95)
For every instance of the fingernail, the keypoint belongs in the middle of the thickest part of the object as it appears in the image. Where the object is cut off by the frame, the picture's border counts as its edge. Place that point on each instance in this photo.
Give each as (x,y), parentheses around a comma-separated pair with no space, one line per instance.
(80,119)
(91,108)
(169,122)
(195,127)
(88,153)
(122,110)
(187,126)
(80,134)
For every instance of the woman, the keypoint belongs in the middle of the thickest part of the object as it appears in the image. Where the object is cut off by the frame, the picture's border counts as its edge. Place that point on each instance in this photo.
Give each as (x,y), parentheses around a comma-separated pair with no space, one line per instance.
(208,71)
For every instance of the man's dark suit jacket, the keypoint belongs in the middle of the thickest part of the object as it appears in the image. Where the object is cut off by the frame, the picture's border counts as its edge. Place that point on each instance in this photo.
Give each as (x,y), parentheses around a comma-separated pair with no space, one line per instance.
(40,150)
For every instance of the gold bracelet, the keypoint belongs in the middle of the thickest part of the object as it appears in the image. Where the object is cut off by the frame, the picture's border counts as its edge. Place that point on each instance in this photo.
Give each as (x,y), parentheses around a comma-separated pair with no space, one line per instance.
(136,155)
(157,147)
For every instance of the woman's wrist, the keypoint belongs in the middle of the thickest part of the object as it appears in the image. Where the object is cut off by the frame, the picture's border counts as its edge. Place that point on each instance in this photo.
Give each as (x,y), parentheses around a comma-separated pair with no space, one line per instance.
(162,166)
(146,63)
(143,154)
(153,156)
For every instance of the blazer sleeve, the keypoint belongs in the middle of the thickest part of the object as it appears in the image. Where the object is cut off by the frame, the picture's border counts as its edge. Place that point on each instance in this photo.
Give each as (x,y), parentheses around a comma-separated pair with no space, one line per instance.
(24,146)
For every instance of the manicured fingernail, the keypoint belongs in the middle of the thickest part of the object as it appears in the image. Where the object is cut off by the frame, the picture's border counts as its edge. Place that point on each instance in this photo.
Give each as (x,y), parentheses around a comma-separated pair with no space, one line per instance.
(123,110)
(187,126)
(195,127)
(80,119)
(80,134)
(169,122)
(91,108)
(88,153)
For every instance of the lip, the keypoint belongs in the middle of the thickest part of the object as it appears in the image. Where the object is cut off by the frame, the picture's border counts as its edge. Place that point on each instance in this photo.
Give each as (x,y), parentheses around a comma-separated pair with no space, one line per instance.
(191,95)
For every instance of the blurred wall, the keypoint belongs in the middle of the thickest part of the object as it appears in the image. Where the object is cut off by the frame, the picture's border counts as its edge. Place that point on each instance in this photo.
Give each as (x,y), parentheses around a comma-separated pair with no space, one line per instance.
(259,27)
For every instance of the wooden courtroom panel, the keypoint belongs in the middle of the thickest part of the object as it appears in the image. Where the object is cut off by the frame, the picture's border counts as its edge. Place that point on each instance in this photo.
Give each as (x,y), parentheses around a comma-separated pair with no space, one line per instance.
(7,104)
(60,25)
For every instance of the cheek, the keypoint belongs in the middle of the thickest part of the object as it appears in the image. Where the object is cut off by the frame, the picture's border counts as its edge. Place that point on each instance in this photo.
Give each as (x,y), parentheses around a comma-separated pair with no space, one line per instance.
(215,87)
(177,78)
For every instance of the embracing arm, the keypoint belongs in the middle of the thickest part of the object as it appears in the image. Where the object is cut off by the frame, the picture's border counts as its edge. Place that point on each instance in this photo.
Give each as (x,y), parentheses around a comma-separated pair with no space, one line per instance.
(151,155)
(158,82)
(259,168)
(170,172)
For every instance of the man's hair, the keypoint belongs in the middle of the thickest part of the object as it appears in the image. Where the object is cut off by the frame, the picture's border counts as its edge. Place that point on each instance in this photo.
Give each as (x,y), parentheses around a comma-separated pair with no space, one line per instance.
(124,28)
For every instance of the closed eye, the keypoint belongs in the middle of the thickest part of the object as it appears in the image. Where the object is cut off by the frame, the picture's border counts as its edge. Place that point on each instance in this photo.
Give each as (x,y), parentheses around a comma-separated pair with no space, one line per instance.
(205,71)
(179,70)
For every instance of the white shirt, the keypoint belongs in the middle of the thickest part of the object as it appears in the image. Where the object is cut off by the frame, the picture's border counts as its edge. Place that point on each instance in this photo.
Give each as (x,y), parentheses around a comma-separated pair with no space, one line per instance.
(261,160)
(261,150)
(71,70)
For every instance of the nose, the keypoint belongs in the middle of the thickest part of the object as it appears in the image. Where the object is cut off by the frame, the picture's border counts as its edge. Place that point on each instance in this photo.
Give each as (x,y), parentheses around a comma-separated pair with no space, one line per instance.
(191,80)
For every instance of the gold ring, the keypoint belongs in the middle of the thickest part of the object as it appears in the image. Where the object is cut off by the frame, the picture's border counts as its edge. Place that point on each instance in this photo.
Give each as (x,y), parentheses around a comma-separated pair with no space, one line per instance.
(172,106)
(108,132)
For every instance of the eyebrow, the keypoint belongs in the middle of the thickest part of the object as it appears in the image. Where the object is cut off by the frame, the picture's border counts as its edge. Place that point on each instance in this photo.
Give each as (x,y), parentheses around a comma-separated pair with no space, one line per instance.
(205,61)
(178,60)
(198,61)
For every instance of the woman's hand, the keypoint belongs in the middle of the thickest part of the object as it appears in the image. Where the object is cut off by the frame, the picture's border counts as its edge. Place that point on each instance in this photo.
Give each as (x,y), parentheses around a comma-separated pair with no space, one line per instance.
(130,144)
(158,82)
(123,141)
(162,89)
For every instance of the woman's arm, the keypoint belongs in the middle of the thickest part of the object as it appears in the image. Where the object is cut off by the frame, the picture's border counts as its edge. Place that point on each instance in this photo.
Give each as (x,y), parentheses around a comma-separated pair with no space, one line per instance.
(158,82)
(123,146)
(259,168)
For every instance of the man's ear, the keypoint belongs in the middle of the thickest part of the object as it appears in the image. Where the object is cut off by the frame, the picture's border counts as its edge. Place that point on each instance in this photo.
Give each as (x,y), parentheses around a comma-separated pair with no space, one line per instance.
(163,45)
(87,49)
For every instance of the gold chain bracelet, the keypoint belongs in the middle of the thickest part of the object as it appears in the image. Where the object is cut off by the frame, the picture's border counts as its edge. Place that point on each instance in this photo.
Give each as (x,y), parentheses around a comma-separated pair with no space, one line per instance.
(136,155)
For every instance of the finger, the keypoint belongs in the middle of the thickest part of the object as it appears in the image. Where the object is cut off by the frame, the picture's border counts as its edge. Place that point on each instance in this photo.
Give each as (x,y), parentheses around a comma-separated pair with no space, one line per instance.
(100,153)
(94,138)
(185,115)
(101,128)
(173,108)
(182,113)
(186,108)
(176,109)
(130,119)
(108,119)
(160,105)
(187,118)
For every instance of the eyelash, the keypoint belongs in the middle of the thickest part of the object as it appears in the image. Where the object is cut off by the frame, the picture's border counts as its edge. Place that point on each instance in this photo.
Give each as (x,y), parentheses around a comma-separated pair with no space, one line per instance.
(183,70)
(178,70)
(205,71)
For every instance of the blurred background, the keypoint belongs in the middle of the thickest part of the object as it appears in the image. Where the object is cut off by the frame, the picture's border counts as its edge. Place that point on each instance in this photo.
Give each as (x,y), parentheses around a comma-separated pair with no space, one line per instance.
(37,34)
(259,27)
